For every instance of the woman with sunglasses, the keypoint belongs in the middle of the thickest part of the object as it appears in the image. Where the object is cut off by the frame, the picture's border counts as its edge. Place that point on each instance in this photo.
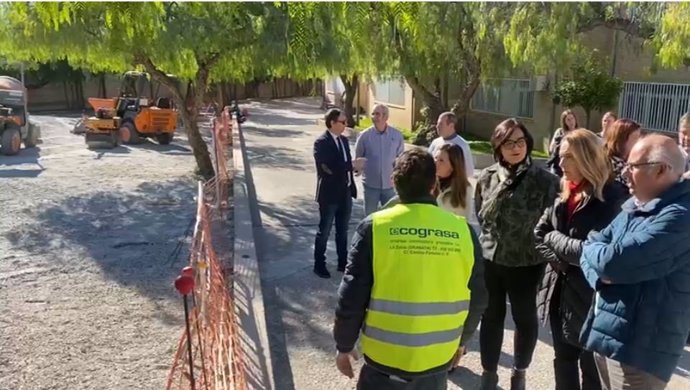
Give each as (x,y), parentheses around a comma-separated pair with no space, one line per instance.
(511,196)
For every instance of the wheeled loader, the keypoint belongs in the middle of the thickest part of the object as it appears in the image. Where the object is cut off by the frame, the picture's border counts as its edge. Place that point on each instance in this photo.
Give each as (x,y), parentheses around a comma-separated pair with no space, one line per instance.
(131,117)
(15,126)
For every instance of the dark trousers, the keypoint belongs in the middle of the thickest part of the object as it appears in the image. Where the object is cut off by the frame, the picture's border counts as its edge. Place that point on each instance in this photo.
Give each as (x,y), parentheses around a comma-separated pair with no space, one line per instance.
(339,212)
(520,285)
(567,356)
(372,379)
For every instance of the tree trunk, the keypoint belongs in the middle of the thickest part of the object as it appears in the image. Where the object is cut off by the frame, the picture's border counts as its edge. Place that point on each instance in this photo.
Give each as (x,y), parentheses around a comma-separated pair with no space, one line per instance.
(80,92)
(196,141)
(189,105)
(351,85)
(588,116)
(433,108)
(64,89)
(102,89)
(461,106)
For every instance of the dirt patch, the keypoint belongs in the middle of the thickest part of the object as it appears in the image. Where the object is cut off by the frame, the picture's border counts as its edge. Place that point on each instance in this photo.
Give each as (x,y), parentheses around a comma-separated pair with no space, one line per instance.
(90,242)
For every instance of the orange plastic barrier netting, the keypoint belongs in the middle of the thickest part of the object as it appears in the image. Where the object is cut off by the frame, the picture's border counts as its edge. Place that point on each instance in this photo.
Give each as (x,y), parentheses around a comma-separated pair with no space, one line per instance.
(216,354)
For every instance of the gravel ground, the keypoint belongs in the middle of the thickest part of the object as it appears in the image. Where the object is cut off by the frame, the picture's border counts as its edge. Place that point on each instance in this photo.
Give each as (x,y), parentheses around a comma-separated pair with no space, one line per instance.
(87,260)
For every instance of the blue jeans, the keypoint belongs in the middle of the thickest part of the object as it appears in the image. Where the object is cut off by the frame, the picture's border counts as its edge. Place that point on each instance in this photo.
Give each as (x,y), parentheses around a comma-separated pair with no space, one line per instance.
(374,196)
(340,212)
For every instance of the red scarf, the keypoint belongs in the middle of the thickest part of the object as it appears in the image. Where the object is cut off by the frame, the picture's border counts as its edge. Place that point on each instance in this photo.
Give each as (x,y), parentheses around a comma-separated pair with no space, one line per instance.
(573,202)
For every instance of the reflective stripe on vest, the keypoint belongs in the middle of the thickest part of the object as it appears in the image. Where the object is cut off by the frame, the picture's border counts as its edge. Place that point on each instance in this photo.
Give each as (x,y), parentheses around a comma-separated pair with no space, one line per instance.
(413,340)
(422,261)
(418,309)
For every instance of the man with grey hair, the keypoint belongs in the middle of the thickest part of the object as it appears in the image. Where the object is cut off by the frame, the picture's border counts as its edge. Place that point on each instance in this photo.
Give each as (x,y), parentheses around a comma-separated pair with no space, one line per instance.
(445,126)
(378,146)
(639,267)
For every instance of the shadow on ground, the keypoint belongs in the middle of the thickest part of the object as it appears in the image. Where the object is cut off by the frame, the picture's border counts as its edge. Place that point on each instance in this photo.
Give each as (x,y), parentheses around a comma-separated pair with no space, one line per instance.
(306,107)
(137,238)
(29,157)
(275,157)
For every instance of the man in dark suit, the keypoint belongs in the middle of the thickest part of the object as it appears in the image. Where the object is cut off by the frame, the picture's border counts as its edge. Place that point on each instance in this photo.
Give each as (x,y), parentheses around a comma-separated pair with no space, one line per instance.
(334,191)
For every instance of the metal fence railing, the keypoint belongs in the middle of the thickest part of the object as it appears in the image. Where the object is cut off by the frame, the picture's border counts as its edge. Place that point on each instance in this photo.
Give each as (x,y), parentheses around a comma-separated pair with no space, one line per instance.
(655,106)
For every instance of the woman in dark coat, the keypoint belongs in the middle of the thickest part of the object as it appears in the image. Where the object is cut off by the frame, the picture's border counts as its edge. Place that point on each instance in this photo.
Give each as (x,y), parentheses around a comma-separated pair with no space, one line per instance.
(589,200)
(510,198)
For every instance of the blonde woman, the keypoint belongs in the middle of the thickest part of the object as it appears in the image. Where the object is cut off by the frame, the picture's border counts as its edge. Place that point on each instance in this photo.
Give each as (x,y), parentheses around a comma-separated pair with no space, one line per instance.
(453,189)
(590,199)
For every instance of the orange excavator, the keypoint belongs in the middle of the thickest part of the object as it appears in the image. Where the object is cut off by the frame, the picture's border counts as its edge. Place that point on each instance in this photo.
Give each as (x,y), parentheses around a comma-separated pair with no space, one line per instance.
(132,117)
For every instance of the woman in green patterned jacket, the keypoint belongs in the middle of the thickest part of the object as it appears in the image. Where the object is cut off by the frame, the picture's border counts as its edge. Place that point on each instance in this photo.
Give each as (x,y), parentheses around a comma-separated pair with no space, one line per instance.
(511,196)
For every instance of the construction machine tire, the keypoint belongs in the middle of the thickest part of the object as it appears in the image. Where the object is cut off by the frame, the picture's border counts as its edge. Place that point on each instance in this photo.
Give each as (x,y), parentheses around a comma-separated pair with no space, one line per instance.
(165,138)
(31,138)
(129,134)
(11,142)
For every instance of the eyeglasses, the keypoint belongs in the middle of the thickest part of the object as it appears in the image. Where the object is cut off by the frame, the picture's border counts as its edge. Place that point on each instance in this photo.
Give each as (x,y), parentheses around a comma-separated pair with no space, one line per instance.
(510,144)
(631,166)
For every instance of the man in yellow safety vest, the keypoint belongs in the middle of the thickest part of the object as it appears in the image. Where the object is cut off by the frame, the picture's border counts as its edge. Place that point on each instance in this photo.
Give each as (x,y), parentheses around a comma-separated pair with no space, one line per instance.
(413,286)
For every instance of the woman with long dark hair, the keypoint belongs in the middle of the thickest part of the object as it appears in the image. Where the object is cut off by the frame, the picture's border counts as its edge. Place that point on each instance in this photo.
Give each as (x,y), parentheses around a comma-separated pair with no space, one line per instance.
(568,123)
(453,189)
(510,198)
(589,200)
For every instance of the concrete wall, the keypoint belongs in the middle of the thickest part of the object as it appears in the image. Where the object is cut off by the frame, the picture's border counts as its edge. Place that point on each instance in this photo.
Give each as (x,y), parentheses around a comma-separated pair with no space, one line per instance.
(59,96)
(400,115)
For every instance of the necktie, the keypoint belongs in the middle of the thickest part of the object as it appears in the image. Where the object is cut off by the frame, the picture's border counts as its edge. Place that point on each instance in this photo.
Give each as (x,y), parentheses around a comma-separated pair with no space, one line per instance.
(340,146)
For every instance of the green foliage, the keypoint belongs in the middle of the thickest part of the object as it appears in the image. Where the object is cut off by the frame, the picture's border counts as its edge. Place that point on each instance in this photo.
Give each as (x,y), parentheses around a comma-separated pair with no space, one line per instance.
(673,38)
(178,38)
(544,36)
(330,38)
(590,87)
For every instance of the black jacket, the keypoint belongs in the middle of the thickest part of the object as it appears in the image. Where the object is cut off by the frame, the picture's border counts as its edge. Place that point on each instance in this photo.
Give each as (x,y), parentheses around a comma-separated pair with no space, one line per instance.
(559,242)
(355,291)
(332,170)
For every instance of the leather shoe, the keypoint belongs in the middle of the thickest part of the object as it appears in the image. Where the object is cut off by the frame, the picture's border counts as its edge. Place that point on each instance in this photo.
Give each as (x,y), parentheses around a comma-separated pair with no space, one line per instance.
(322,272)
(517,380)
(489,381)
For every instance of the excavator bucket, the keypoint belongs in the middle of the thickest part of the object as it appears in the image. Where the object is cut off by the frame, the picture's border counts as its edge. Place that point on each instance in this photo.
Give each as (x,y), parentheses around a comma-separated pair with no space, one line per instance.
(97,103)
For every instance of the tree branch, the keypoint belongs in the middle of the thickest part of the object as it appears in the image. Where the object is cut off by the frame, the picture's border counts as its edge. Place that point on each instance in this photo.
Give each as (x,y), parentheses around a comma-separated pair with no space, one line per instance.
(140,58)
(626,25)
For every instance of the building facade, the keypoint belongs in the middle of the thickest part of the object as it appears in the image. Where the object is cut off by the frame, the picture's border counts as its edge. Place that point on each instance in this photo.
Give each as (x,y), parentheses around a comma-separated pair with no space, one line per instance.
(656,100)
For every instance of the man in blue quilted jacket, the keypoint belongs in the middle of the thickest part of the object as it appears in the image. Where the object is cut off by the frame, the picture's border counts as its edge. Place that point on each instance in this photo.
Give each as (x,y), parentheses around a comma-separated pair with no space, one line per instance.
(639,267)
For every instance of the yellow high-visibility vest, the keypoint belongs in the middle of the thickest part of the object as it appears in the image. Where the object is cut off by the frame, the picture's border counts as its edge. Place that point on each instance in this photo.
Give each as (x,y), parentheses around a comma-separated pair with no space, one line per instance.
(422,262)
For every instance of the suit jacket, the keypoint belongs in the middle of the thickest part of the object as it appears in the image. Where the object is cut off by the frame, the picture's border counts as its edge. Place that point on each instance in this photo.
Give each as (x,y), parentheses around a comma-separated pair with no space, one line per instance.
(331,187)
